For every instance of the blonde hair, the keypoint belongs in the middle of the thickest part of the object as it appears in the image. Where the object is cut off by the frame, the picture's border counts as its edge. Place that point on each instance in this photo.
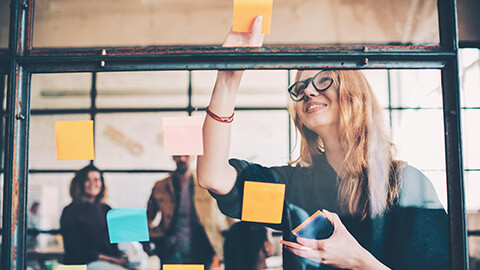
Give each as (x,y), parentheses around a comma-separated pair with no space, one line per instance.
(369,173)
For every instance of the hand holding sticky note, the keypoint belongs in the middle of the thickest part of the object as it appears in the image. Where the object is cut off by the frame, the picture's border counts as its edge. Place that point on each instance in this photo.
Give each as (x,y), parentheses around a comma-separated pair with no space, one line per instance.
(70,267)
(182,135)
(317,226)
(74,140)
(183,267)
(263,202)
(245,11)
(127,225)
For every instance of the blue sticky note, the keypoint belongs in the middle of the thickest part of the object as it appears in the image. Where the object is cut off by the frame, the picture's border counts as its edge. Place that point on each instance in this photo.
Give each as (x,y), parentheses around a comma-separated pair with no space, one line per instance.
(127,225)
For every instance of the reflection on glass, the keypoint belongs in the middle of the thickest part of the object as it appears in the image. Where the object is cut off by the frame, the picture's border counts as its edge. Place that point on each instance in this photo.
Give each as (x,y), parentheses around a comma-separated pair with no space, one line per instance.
(108,23)
(43,154)
(163,89)
(131,141)
(65,91)
(259,88)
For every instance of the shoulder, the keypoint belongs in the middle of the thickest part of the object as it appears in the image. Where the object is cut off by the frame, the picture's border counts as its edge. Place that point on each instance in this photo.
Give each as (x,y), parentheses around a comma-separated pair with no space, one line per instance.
(250,171)
(416,190)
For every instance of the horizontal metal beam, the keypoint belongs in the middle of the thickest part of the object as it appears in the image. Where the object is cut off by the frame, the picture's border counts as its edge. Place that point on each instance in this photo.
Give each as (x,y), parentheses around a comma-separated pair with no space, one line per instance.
(197,58)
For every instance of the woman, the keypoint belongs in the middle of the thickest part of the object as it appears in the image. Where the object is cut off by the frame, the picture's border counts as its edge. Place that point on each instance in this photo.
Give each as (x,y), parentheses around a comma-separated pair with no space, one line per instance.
(247,246)
(385,214)
(83,224)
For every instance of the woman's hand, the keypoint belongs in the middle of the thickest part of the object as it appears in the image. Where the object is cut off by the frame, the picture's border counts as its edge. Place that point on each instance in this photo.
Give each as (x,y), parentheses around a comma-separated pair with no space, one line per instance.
(341,250)
(243,39)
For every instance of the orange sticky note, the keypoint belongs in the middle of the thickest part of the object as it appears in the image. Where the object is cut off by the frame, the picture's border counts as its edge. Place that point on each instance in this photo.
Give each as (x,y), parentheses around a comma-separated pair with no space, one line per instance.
(74,140)
(70,267)
(183,267)
(263,202)
(245,11)
(182,135)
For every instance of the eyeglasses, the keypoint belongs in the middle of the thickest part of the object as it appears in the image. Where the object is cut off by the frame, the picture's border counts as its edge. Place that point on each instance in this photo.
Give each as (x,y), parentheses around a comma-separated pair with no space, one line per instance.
(321,82)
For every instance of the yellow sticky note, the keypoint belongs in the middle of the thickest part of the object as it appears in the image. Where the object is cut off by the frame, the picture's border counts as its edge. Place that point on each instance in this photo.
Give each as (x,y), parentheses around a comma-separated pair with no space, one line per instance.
(183,267)
(74,140)
(245,11)
(70,267)
(263,202)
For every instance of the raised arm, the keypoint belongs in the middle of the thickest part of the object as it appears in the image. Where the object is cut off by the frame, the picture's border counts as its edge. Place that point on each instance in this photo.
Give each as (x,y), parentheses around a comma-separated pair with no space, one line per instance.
(214,172)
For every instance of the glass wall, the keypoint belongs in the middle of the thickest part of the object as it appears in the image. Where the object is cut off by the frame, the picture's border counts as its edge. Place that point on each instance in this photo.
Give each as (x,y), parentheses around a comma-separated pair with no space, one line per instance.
(128,111)
(145,23)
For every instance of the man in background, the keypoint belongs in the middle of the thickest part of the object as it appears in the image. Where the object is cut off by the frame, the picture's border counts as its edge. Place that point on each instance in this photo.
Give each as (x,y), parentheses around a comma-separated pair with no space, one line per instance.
(184,221)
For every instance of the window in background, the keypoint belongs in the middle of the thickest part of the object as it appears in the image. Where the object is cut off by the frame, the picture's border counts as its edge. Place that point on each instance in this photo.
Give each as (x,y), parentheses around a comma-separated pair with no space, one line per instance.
(470,101)
(61,91)
(132,141)
(259,88)
(159,89)
(145,23)
(42,152)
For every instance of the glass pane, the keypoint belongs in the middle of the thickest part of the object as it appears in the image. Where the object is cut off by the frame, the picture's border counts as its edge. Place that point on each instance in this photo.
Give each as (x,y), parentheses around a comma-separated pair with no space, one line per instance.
(132,141)
(164,89)
(419,137)
(123,193)
(108,23)
(4,23)
(260,136)
(259,88)
(470,77)
(471,144)
(472,204)
(42,154)
(416,88)
(47,195)
(66,91)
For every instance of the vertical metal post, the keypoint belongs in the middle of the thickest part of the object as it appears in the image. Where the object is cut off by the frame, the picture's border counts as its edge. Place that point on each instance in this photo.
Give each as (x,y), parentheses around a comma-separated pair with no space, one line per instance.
(16,139)
(93,103)
(447,14)
(15,170)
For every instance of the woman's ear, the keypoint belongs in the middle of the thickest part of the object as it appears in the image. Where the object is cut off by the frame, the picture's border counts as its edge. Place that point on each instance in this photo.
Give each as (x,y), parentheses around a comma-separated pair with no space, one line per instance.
(268,248)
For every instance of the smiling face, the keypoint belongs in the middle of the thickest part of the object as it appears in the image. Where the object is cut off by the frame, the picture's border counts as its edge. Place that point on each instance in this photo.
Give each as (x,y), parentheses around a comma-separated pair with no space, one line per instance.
(93,184)
(318,110)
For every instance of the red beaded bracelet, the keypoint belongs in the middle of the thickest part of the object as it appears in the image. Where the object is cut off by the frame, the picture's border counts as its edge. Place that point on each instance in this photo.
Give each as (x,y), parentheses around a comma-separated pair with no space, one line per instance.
(228,119)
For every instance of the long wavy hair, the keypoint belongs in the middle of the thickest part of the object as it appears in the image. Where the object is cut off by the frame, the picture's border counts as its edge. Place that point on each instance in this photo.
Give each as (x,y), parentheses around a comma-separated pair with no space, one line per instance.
(369,173)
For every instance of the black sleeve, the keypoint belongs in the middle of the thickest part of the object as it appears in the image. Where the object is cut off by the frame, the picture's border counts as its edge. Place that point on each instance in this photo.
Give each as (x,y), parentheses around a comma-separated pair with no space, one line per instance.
(418,234)
(77,248)
(231,203)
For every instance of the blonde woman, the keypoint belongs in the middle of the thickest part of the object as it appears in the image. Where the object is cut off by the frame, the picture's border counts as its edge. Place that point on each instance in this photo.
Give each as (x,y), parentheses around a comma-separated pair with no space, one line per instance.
(385,213)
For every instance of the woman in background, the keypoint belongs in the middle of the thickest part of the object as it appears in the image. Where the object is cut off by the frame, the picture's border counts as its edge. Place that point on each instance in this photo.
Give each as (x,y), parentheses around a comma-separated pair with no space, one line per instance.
(83,224)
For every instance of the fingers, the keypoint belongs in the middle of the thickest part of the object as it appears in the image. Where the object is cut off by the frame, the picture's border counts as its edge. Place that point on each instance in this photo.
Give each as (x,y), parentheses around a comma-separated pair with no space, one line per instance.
(311,243)
(313,255)
(257,26)
(333,217)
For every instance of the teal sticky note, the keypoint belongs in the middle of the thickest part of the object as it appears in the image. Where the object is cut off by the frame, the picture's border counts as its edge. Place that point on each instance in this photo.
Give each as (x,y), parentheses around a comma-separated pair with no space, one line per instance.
(127,225)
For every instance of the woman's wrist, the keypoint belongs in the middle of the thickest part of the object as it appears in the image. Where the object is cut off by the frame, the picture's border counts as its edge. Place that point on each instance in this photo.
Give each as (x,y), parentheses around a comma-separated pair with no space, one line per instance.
(366,261)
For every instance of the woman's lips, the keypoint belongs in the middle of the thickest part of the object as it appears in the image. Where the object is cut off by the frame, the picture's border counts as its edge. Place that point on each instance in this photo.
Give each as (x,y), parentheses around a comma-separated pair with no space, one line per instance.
(315,107)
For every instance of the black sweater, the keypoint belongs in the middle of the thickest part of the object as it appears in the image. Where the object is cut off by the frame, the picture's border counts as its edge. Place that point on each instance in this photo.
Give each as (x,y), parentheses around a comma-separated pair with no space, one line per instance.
(413,234)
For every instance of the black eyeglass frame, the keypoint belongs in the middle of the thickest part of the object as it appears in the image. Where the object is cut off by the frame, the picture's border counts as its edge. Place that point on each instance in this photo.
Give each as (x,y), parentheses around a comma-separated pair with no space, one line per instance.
(307,82)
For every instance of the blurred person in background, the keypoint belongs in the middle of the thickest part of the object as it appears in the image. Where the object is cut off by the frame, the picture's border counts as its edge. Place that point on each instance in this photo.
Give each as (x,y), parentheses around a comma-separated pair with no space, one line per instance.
(184,220)
(83,224)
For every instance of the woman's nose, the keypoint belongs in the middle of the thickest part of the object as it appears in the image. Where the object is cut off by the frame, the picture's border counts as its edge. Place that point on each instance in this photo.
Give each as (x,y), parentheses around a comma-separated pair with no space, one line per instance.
(310,91)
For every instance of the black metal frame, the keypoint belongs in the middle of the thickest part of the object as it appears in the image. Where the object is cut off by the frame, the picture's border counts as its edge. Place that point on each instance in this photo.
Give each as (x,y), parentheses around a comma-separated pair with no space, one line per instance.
(21,61)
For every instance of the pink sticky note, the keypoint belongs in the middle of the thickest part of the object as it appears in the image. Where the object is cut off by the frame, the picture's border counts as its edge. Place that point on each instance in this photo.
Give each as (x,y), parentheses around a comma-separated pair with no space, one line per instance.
(182,135)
